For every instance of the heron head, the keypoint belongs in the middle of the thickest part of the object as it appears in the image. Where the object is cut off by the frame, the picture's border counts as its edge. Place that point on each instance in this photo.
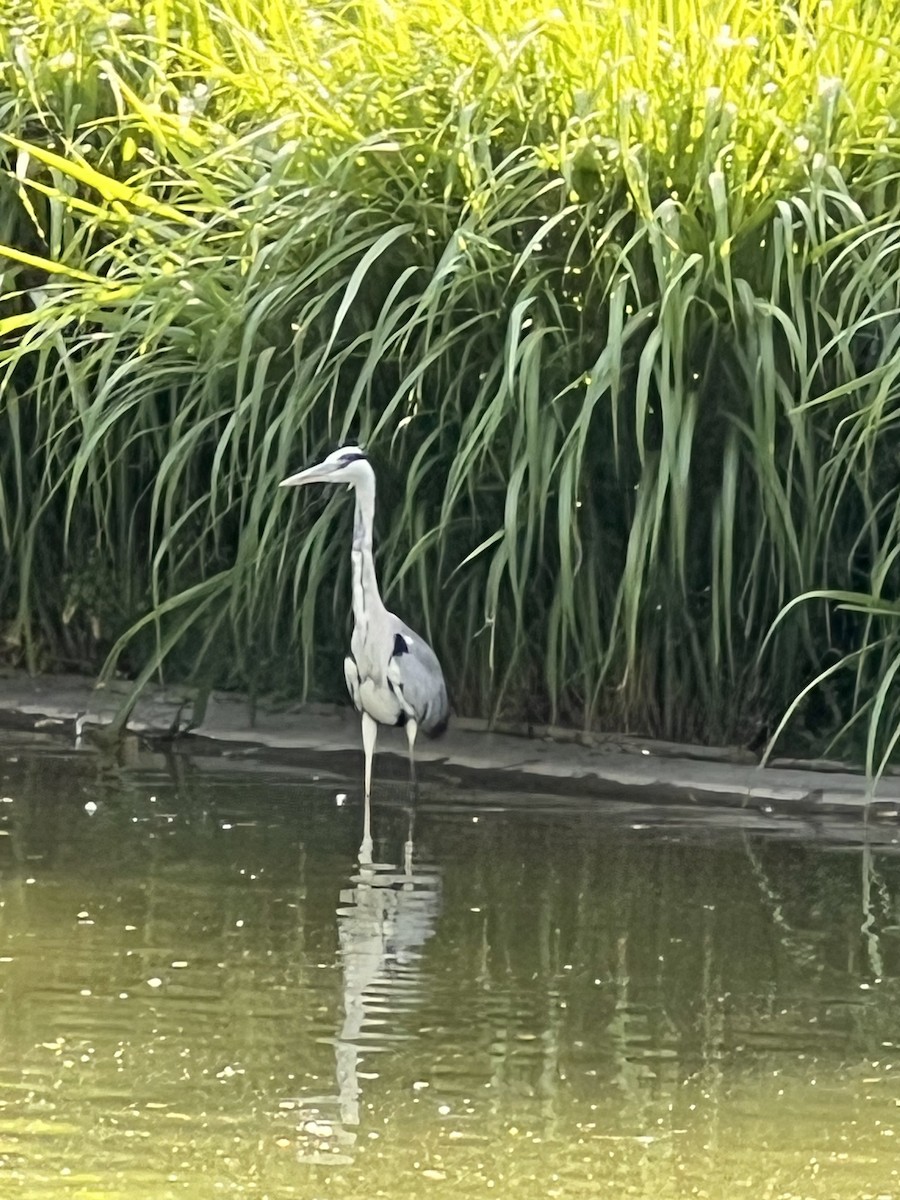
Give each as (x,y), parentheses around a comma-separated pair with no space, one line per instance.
(349,464)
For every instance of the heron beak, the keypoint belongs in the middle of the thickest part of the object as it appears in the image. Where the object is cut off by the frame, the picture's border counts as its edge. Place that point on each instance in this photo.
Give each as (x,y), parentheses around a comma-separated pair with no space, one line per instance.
(320,473)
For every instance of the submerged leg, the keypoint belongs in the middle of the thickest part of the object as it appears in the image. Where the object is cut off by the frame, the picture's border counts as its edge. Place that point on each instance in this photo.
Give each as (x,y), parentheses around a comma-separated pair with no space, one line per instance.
(369,733)
(408,844)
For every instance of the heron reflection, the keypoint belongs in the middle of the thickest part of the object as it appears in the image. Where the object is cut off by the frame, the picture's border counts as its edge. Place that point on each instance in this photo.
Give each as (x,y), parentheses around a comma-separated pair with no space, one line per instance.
(385,916)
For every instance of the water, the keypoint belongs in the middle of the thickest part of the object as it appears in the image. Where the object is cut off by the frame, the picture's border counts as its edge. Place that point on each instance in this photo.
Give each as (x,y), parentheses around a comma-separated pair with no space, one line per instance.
(202,993)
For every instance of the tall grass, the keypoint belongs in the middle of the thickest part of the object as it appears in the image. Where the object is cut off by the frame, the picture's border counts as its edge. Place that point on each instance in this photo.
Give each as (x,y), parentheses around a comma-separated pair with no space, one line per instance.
(610,294)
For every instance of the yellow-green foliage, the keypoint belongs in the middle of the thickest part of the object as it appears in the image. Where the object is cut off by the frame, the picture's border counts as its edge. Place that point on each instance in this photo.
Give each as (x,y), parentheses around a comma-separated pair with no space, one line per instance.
(610,292)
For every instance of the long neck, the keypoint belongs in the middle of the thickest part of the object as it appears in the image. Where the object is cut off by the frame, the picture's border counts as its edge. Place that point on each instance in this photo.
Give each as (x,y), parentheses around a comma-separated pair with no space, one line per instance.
(366,597)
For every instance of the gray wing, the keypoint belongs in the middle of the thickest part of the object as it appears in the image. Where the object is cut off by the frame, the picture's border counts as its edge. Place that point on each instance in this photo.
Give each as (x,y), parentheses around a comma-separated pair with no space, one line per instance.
(351,675)
(417,681)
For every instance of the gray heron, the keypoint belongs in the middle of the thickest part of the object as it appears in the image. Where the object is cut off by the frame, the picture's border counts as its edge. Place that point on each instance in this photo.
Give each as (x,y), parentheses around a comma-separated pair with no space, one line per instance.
(393,675)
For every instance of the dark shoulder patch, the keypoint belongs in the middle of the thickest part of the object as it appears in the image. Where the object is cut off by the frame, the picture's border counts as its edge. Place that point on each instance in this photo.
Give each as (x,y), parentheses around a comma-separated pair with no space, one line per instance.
(400,646)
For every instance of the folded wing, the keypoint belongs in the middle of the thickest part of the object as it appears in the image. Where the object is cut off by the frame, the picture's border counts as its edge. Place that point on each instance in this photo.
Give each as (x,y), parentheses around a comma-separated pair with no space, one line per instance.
(417,681)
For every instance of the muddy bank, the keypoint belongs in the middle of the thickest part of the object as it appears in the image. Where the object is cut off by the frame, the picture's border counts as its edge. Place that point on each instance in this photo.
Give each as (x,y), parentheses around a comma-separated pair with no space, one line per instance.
(549,761)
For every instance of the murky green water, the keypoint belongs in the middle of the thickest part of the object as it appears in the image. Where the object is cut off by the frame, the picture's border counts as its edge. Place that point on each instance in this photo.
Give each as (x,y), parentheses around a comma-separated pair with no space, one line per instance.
(202,994)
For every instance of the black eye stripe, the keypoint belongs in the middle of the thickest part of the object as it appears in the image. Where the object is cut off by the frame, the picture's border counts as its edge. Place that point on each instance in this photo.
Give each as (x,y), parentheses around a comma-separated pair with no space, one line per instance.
(349,458)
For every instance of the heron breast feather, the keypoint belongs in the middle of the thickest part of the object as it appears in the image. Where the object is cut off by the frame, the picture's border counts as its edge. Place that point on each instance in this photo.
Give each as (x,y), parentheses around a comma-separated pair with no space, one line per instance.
(379,701)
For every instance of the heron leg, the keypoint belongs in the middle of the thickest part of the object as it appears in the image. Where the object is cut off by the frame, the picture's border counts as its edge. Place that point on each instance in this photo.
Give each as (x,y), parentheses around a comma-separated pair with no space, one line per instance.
(369,734)
(412,729)
(408,844)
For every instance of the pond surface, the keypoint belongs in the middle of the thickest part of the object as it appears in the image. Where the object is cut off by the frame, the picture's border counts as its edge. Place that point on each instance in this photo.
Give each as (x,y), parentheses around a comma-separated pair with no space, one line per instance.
(203,993)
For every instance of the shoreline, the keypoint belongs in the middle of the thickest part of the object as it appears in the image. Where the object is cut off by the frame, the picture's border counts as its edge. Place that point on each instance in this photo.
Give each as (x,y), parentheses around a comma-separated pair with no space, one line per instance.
(555,760)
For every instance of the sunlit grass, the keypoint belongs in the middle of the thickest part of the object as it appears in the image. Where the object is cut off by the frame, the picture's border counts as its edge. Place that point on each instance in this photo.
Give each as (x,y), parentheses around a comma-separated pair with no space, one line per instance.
(611,294)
